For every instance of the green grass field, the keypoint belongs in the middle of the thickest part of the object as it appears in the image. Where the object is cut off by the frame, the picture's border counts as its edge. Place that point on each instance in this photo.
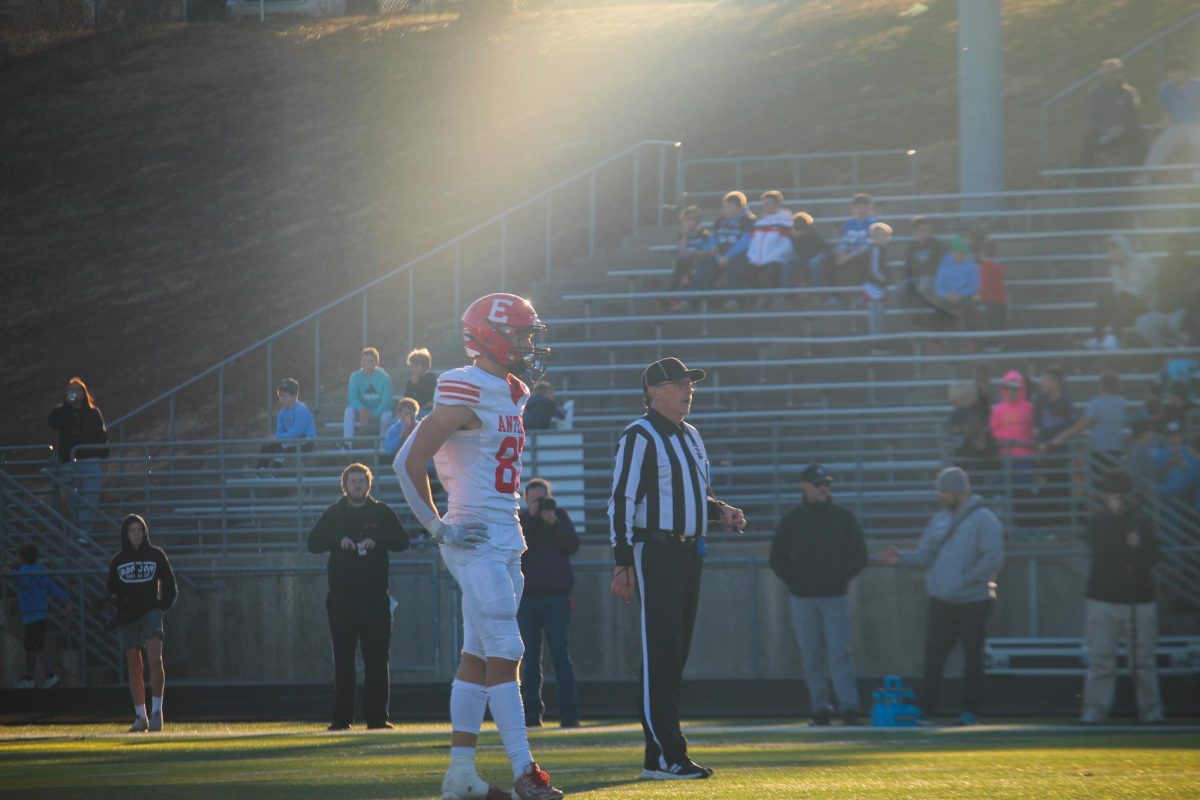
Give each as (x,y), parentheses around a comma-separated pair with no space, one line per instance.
(770,760)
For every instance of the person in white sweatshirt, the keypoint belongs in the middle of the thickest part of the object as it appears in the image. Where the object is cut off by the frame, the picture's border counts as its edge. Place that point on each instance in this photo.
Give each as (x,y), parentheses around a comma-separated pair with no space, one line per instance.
(770,244)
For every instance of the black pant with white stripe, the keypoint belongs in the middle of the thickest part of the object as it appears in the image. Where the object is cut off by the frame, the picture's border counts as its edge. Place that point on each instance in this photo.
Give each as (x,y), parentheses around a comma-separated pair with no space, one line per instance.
(668,574)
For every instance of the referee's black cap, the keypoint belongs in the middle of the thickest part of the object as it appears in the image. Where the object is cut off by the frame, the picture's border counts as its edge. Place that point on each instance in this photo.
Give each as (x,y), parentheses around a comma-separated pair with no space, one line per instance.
(667,370)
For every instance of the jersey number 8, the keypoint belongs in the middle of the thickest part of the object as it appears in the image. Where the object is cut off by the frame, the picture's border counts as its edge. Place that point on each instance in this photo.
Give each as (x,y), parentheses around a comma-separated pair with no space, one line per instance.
(508,466)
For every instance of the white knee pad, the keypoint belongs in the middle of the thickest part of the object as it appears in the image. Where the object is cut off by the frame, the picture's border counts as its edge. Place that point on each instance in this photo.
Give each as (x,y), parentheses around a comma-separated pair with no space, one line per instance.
(503,639)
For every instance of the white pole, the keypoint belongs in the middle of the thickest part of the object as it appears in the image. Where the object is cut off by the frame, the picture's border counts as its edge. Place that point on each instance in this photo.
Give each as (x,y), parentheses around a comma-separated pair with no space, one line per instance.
(262,10)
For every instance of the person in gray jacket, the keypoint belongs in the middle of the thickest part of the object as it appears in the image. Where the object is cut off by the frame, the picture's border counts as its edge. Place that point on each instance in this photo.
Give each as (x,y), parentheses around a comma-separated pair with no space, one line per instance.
(961,552)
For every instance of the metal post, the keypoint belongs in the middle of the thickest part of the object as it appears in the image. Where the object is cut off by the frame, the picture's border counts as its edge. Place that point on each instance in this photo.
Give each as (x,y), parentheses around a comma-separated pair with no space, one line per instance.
(270,393)
(662,182)
(317,362)
(221,404)
(411,308)
(548,234)
(1031,575)
(636,164)
(980,99)
(680,180)
(364,319)
(457,276)
(504,247)
(592,214)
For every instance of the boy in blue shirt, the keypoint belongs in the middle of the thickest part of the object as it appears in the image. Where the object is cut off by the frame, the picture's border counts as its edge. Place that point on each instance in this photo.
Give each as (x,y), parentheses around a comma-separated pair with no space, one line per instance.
(34,590)
(294,427)
(1179,99)
(856,232)
(956,287)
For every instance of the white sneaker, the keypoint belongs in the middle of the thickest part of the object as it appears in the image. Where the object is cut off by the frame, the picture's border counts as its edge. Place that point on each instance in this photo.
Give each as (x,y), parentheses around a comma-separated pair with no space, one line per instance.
(1091,344)
(26,683)
(535,785)
(465,784)
(51,682)
(1110,342)
(156,722)
(140,725)
(1090,717)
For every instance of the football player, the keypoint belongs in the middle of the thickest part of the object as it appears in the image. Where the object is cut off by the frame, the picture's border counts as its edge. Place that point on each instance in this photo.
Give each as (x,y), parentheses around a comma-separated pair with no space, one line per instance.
(475,436)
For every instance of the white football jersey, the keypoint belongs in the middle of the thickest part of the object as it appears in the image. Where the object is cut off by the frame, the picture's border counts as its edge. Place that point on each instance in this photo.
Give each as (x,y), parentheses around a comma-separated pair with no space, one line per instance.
(481,468)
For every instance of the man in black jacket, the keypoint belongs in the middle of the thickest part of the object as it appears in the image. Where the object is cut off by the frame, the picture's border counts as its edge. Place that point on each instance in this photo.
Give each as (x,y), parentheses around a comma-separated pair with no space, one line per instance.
(550,540)
(358,532)
(1120,601)
(818,548)
(141,586)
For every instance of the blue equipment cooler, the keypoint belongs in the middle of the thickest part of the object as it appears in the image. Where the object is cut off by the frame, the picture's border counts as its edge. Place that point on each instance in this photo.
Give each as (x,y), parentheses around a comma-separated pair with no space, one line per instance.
(894,706)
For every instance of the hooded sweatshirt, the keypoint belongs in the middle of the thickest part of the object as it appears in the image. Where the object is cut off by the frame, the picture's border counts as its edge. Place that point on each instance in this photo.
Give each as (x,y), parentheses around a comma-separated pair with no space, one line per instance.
(372,392)
(83,425)
(964,569)
(1136,275)
(771,240)
(140,580)
(1012,419)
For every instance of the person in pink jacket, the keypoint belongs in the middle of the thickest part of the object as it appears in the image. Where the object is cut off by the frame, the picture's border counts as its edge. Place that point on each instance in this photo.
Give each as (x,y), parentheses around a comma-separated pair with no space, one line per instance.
(1012,418)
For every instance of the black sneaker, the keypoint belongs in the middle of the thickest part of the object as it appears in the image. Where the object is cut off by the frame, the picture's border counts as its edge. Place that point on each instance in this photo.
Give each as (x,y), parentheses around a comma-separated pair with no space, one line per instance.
(822,717)
(569,723)
(533,722)
(339,726)
(684,770)
(381,726)
(850,716)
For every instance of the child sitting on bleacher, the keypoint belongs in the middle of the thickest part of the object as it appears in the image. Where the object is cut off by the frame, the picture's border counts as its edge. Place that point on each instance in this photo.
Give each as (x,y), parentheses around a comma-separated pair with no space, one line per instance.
(693,246)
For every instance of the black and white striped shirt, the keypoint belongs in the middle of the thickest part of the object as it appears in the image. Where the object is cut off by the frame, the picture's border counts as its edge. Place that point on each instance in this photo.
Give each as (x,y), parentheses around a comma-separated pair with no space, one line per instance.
(661,482)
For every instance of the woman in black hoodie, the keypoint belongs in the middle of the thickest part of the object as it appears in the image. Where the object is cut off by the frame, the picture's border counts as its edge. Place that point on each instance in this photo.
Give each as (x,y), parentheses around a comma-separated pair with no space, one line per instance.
(78,421)
(142,586)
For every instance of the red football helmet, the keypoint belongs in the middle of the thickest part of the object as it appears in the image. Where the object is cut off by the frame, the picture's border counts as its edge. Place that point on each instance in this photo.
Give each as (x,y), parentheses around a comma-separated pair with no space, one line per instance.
(506,329)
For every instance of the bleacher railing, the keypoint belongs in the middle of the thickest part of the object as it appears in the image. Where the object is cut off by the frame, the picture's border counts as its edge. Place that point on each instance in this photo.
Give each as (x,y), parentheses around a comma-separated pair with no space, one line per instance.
(1061,116)
(507,252)
(702,179)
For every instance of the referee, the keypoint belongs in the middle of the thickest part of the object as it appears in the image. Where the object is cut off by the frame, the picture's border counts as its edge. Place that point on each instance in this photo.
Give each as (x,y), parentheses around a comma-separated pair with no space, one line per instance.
(660,506)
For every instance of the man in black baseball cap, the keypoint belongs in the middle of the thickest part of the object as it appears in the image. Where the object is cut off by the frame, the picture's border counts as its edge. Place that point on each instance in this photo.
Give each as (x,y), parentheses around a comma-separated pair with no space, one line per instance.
(661,506)
(817,550)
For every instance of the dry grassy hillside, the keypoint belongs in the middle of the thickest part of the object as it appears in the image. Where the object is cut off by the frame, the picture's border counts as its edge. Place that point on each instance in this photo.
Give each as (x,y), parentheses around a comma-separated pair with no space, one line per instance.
(172,193)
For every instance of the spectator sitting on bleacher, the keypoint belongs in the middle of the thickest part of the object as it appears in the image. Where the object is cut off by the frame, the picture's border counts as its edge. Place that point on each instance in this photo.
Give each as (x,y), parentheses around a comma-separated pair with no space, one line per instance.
(975,448)
(810,256)
(1012,420)
(871,268)
(921,260)
(407,411)
(1174,286)
(1177,467)
(692,249)
(856,231)
(993,294)
(421,382)
(541,410)
(1104,419)
(770,246)
(957,288)
(1120,306)
(730,241)
(1139,458)
(1112,117)
(1120,602)
(1053,411)
(1179,99)
(294,427)
(370,397)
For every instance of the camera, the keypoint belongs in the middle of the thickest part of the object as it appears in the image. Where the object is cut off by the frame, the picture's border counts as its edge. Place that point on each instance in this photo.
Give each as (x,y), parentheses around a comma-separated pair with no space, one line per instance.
(547,504)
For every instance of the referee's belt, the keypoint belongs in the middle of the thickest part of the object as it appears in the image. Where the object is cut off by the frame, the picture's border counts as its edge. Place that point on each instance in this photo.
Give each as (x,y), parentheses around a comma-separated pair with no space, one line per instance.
(647,535)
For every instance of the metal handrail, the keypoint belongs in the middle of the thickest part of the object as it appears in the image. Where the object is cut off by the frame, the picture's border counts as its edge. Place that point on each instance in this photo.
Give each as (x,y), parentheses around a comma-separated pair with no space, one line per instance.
(796,159)
(447,246)
(1072,88)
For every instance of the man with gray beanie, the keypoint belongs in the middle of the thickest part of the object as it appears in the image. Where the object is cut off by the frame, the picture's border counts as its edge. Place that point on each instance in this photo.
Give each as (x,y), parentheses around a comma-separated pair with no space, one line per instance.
(961,552)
